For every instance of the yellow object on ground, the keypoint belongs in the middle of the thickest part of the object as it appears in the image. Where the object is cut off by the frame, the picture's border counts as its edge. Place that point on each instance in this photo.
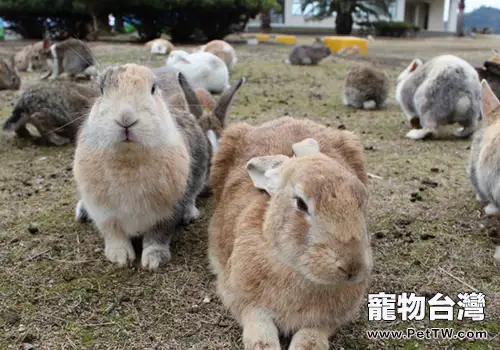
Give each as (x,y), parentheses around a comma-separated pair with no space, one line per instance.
(262,37)
(337,43)
(286,39)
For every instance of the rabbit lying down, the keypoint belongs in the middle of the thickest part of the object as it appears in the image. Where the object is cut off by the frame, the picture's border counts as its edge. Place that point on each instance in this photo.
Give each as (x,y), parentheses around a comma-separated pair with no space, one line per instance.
(139,166)
(443,90)
(9,79)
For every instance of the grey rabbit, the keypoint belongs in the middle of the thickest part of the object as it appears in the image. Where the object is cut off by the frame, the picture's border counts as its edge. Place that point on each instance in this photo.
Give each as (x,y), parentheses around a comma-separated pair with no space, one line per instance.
(365,87)
(56,110)
(132,127)
(71,56)
(443,90)
(309,54)
(9,79)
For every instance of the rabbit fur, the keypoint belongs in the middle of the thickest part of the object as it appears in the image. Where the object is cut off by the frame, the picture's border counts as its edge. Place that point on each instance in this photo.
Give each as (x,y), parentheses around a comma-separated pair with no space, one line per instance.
(9,78)
(288,238)
(31,58)
(490,71)
(365,87)
(139,166)
(484,161)
(223,50)
(56,110)
(71,56)
(443,90)
(202,69)
(308,54)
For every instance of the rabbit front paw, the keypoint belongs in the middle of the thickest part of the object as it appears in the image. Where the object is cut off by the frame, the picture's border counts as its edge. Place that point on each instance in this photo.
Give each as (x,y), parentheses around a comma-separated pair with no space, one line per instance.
(120,252)
(155,255)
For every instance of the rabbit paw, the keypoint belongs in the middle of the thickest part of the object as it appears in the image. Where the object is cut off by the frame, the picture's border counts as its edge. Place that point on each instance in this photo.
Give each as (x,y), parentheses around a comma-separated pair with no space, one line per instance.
(464,132)
(81,213)
(155,255)
(262,345)
(120,252)
(418,134)
(491,210)
(369,104)
(192,213)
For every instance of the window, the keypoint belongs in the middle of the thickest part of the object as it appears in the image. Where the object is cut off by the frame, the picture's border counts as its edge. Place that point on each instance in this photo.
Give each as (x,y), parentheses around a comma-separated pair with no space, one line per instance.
(310,9)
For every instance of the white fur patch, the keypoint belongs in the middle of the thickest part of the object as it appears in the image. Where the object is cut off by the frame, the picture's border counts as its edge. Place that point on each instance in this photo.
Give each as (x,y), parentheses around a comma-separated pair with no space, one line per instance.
(491,210)
(417,134)
(369,104)
(120,252)
(79,211)
(213,140)
(55,65)
(154,255)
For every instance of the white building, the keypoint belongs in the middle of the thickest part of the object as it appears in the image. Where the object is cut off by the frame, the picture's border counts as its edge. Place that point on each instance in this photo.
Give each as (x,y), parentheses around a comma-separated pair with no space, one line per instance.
(427,14)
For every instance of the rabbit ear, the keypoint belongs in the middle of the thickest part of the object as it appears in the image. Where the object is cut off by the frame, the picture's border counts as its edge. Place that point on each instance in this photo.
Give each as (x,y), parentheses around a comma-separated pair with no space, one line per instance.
(191,97)
(414,65)
(265,171)
(46,43)
(307,147)
(489,103)
(225,100)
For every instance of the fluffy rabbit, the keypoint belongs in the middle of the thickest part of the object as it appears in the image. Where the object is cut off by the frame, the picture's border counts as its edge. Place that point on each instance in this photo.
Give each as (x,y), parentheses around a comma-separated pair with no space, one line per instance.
(484,161)
(9,79)
(309,54)
(443,90)
(365,87)
(31,58)
(490,71)
(71,56)
(139,166)
(288,238)
(202,69)
(160,46)
(55,110)
(223,50)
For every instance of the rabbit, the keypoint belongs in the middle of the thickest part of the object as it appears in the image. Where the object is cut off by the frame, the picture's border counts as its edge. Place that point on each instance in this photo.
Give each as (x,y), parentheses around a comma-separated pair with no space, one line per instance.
(309,54)
(223,50)
(71,56)
(30,58)
(55,110)
(365,87)
(490,71)
(288,240)
(9,78)
(443,90)
(496,56)
(139,166)
(202,69)
(484,161)
(160,46)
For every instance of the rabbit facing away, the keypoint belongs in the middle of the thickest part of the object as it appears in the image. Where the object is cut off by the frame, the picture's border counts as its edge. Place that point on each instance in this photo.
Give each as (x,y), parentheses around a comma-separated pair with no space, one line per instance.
(71,56)
(139,166)
(223,50)
(443,90)
(202,69)
(160,46)
(484,161)
(365,87)
(56,110)
(288,238)
(9,78)
(308,54)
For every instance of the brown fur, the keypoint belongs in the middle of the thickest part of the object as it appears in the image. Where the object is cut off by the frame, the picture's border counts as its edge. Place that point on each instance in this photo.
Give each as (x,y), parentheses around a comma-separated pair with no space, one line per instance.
(223,50)
(9,79)
(249,231)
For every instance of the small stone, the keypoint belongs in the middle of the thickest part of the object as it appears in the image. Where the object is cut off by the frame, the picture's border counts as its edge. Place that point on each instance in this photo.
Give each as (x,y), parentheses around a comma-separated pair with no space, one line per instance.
(207,300)
(341,127)
(41,180)
(53,176)
(426,236)
(435,170)
(33,229)
(43,158)
(379,235)
(413,199)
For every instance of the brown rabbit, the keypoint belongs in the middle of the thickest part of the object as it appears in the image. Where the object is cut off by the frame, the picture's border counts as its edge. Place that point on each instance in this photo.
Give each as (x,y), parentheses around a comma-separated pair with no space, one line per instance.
(9,79)
(288,238)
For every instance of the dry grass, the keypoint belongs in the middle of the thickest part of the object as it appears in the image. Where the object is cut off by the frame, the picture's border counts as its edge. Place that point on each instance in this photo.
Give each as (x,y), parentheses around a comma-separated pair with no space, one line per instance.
(57,291)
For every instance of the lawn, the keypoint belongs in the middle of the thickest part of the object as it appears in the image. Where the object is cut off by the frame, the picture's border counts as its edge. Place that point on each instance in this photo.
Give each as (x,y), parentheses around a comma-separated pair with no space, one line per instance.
(57,290)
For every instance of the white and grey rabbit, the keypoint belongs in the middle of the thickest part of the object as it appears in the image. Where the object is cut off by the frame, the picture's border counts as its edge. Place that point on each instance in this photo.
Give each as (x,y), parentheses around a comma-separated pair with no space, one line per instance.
(309,54)
(365,87)
(139,166)
(443,90)
(71,56)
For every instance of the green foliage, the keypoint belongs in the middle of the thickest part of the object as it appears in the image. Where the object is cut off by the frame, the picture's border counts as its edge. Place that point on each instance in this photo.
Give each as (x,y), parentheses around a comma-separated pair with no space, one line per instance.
(345,9)
(393,28)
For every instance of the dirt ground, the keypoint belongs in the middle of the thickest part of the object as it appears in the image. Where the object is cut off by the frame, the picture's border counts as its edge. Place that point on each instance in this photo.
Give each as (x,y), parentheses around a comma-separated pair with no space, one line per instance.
(57,290)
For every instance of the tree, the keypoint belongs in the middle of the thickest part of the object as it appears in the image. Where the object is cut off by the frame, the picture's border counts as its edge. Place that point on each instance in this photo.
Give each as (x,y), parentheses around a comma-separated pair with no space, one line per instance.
(344,10)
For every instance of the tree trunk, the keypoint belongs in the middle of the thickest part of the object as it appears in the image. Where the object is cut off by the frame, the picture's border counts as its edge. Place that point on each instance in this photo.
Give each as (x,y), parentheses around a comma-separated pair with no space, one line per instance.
(265,21)
(119,23)
(343,23)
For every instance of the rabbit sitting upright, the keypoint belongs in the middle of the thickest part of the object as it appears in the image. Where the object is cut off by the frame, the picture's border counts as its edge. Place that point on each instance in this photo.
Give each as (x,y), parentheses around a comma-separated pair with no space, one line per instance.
(443,90)
(365,87)
(139,166)
(288,239)
(9,79)
(484,160)
(309,54)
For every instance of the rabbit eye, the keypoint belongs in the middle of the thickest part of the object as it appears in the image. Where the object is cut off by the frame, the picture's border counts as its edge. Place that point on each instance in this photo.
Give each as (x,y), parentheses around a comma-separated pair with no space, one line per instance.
(153,89)
(301,205)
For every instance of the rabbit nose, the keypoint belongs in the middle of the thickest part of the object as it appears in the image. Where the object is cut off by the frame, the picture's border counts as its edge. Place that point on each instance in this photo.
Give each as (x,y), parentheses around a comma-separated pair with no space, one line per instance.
(127,119)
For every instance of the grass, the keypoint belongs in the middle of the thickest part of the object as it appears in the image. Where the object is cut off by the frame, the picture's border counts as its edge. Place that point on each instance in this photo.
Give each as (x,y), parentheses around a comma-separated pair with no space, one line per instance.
(57,291)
